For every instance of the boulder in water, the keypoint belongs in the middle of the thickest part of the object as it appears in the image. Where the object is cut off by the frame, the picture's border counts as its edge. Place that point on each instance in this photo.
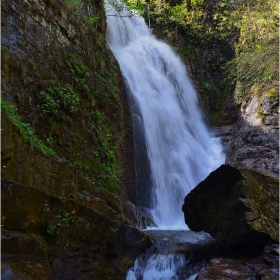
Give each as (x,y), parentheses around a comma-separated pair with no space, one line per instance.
(235,206)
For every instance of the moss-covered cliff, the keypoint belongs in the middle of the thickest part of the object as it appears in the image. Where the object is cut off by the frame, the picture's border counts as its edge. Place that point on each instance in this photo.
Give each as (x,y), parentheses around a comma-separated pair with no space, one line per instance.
(66,87)
(67,151)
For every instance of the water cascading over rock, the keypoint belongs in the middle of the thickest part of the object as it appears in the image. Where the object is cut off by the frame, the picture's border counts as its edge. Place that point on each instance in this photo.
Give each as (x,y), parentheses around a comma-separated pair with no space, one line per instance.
(181,150)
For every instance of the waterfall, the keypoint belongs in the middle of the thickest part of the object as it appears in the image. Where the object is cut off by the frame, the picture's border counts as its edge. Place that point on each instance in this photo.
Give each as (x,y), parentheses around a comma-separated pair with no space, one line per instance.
(157,267)
(181,150)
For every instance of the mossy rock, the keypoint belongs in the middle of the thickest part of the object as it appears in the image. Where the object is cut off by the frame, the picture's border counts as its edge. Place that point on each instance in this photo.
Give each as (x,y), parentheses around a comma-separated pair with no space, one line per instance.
(76,239)
(236,206)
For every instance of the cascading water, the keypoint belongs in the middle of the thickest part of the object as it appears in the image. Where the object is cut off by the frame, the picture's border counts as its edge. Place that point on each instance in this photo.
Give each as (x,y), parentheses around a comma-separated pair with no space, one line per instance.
(180,148)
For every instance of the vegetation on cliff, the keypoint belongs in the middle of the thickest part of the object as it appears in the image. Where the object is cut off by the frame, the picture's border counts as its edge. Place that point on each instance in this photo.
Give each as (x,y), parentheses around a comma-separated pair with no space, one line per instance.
(224,42)
(255,64)
(66,146)
(62,87)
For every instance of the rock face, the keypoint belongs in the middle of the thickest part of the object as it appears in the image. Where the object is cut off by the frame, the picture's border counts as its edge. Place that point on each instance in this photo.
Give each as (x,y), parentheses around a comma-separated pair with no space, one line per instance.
(235,206)
(61,227)
(65,213)
(68,239)
(253,139)
(27,164)
(50,53)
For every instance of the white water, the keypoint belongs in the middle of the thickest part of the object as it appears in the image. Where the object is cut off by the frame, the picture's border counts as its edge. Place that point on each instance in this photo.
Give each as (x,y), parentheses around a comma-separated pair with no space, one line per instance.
(157,267)
(167,259)
(180,148)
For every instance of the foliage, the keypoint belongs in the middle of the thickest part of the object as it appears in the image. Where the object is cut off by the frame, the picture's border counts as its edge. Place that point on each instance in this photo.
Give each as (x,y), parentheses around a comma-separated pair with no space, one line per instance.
(75,85)
(25,128)
(84,192)
(105,84)
(252,30)
(80,74)
(51,139)
(188,16)
(215,87)
(58,102)
(89,89)
(91,20)
(135,5)
(110,177)
(59,220)
(129,7)
(257,50)
(74,2)
(64,219)
(74,6)
(249,28)
(51,230)
(100,116)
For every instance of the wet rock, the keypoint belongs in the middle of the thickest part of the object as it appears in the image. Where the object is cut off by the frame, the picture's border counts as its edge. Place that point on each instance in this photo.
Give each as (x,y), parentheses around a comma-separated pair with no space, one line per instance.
(135,242)
(196,246)
(221,268)
(24,268)
(271,254)
(271,120)
(235,206)
(37,45)
(225,133)
(82,242)
(244,265)
(269,274)
(175,254)
(190,269)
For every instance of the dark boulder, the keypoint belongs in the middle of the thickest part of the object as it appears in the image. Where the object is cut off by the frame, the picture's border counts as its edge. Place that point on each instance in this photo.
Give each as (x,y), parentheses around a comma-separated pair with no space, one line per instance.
(59,238)
(235,206)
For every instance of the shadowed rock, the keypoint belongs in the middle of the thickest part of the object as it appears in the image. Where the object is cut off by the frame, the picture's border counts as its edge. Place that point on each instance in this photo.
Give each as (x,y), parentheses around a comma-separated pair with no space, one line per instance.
(235,206)
(69,240)
(248,265)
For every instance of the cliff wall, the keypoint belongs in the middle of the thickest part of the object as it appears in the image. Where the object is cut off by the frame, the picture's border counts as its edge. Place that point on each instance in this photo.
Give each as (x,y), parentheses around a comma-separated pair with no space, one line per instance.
(67,147)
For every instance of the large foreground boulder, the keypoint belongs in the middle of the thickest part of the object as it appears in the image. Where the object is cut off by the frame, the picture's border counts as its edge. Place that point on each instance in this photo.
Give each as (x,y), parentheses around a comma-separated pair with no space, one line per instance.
(235,206)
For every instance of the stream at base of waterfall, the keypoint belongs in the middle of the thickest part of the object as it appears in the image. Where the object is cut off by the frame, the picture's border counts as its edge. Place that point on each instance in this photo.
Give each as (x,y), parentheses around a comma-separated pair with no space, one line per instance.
(181,149)
(175,254)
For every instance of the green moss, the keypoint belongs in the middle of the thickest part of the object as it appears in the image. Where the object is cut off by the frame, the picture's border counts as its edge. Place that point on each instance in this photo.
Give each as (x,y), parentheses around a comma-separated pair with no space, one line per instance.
(215,116)
(259,110)
(106,273)
(25,129)
(272,93)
